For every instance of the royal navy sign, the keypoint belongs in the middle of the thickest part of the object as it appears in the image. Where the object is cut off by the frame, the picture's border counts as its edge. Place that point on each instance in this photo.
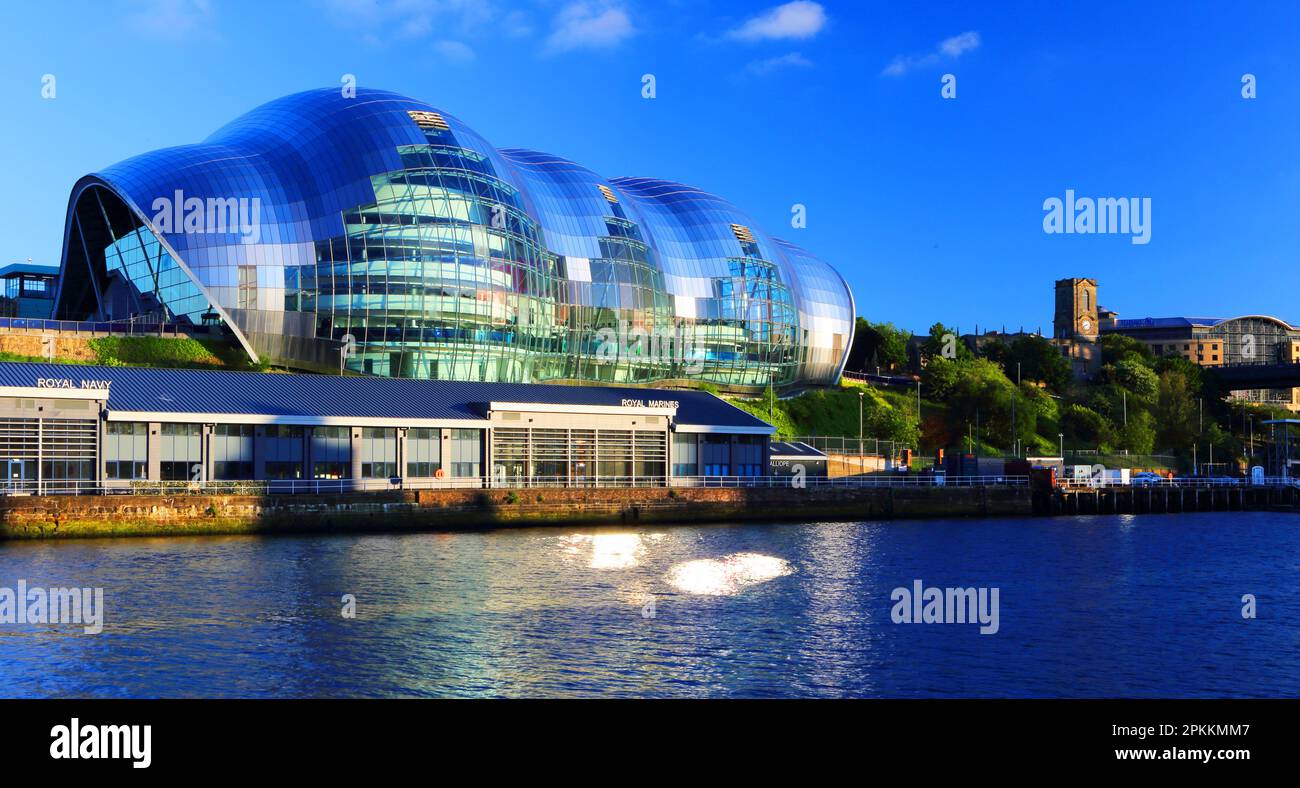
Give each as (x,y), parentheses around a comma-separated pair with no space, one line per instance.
(68,383)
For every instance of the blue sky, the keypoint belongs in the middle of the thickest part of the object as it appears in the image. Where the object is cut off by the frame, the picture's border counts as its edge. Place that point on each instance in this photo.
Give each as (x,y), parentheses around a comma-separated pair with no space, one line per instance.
(931,207)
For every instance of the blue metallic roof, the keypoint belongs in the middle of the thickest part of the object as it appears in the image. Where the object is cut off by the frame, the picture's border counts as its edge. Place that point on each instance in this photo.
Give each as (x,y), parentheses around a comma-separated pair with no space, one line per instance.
(28,268)
(1166,322)
(321,396)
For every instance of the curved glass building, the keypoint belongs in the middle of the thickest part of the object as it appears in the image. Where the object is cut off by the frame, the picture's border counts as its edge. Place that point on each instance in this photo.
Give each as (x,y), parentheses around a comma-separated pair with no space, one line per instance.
(383,233)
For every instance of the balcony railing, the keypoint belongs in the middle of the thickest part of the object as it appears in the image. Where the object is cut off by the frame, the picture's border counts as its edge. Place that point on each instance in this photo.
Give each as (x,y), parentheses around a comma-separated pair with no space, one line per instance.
(344,486)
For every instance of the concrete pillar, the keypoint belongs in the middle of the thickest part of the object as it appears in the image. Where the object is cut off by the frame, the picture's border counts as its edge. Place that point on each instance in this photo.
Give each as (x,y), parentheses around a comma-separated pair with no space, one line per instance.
(355,433)
(444,452)
(205,452)
(668,455)
(154,451)
(101,437)
(401,452)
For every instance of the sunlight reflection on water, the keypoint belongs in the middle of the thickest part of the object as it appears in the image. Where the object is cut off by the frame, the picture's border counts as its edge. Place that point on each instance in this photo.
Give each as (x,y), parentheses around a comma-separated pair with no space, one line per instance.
(726,576)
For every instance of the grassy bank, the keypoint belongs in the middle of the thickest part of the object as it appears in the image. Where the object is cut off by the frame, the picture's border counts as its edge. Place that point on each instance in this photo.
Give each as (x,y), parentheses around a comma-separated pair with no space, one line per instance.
(833,411)
(174,353)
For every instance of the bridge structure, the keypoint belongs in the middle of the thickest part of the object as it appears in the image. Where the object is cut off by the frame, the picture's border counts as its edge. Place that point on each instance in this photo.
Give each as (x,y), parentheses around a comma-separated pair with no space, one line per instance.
(1246,376)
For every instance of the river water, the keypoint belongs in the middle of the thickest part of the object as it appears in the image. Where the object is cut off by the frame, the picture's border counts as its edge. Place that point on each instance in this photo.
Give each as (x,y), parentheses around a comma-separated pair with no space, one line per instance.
(1086,606)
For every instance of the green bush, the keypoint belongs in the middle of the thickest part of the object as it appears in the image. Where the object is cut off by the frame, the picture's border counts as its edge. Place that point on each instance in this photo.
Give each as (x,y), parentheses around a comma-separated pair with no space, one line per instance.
(178,352)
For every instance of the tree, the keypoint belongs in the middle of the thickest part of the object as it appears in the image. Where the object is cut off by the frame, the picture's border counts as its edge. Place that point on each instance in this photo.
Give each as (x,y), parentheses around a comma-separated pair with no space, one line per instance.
(1084,426)
(1139,435)
(1039,360)
(944,342)
(1138,378)
(1175,410)
(980,394)
(1115,347)
(996,350)
(877,344)
(939,378)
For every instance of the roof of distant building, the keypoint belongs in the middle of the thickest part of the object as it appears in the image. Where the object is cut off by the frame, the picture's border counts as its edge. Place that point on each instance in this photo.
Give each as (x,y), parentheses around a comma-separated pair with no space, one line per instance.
(13,269)
(795,450)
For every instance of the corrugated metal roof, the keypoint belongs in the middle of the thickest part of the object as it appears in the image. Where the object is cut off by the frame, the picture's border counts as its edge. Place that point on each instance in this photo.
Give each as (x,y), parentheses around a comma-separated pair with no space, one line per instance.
(328,396)
(796,449)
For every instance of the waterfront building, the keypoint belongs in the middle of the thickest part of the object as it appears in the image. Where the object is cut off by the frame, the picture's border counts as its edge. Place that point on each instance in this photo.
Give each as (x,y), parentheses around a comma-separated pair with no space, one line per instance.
(382,234)
(66,426)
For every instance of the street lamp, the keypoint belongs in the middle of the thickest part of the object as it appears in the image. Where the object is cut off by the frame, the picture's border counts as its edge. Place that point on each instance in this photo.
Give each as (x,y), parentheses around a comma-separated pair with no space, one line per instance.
(861,394)
(1061,437)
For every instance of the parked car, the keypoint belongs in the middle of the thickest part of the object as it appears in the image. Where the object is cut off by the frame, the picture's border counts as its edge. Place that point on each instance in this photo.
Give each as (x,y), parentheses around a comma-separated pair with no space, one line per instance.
(1145,479)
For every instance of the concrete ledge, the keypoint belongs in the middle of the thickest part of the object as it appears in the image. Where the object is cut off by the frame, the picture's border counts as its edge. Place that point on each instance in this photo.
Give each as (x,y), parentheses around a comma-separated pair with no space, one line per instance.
(430,510)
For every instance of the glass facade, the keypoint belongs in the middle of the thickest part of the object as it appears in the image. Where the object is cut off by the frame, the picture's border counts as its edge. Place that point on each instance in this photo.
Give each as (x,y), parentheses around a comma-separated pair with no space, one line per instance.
(380,233)
(126,450)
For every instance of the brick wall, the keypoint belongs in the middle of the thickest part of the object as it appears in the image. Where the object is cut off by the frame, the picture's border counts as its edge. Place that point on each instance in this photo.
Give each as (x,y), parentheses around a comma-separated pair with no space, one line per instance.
(62,516)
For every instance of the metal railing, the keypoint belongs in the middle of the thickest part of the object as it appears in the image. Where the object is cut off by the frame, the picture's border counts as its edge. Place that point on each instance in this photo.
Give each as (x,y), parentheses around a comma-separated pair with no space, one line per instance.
(1186,482)
(125,328)
(344,486)
(862,447)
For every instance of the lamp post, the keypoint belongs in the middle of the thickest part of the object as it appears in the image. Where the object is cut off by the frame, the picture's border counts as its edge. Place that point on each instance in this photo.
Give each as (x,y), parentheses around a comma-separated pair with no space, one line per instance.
(861,394)
(1061,437)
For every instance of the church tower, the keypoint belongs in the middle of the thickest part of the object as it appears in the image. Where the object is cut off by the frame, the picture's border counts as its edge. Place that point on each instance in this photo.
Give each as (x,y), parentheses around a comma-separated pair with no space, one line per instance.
(1076,311)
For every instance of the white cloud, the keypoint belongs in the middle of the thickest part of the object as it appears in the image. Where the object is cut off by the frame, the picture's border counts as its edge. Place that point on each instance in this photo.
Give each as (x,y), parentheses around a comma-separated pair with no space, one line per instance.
(380,20)
(516,24)
(948,49)
(798,19)
(455,51)
(764,67)
(953,47)
(585,25)
(174,19)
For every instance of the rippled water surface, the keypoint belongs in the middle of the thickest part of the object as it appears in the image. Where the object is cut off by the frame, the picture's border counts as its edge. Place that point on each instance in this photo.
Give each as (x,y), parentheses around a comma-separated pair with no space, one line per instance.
(1089,606)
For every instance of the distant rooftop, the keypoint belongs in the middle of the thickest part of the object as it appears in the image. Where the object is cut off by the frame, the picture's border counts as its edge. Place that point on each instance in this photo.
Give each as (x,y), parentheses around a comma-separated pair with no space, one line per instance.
(1190,322)
(795,449)
(1166,322)
(13,269)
